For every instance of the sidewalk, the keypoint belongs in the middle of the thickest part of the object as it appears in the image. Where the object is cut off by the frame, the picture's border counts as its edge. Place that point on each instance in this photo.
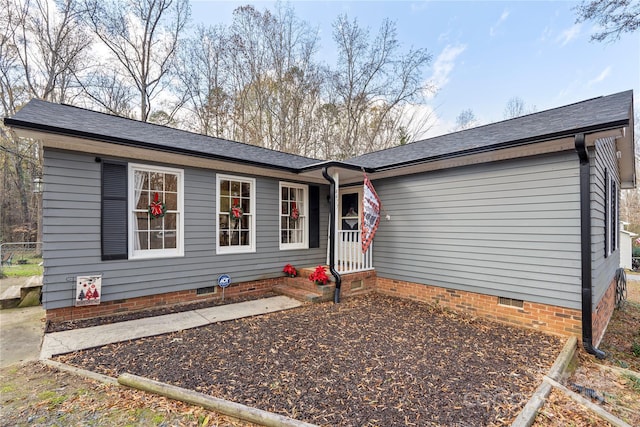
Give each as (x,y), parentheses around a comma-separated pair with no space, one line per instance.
(78,339)
(21,331)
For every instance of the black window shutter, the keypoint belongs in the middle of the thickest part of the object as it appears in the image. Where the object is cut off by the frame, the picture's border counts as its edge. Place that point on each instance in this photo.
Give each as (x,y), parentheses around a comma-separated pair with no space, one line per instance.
(607,212)
(114,211)
(314,216)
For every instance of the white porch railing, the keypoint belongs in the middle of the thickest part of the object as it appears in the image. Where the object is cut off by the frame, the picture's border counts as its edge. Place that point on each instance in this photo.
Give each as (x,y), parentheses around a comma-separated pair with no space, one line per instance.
(349,256)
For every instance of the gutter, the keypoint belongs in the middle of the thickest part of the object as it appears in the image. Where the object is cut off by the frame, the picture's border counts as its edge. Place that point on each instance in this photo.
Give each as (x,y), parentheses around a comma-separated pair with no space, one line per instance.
(332,234)
(585,243)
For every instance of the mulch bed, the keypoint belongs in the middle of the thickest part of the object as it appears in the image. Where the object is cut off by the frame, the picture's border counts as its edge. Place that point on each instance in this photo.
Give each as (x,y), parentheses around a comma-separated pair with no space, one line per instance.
(152,312)
(371,360)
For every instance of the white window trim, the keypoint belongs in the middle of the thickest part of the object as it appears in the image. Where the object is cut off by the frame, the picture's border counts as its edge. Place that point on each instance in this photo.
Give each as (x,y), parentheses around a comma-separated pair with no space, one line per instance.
(611,215)
(252,233)
(155,253)
(305,235)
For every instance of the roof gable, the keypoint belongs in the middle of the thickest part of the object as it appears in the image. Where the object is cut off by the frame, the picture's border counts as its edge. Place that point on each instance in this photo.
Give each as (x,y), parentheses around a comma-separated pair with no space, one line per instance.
(590,115)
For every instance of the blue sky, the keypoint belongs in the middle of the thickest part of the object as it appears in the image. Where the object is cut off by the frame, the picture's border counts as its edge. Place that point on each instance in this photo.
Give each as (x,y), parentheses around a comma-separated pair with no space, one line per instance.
(484,52)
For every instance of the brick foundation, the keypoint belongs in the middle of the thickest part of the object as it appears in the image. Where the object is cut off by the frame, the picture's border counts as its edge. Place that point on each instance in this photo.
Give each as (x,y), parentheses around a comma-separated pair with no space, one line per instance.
(542,317)
(602,314)
(109,308)
(547,318)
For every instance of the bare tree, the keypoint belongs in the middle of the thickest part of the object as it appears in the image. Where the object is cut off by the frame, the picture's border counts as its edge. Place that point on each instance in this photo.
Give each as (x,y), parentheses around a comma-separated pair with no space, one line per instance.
(42,49)
(372,79)
(143,38)
(109,91)
(204,72)
(615,17)
(516,107)
(276,82)
(465,120)
(52,48)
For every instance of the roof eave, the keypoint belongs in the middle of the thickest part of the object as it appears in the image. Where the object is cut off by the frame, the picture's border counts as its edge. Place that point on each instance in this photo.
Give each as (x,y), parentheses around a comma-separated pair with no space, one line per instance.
(627,162)
(509,144)
(35,127)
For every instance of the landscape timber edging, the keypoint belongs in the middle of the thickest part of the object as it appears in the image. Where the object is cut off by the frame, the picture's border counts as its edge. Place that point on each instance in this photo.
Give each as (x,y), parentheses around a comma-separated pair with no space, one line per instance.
(530,410)
(222,406)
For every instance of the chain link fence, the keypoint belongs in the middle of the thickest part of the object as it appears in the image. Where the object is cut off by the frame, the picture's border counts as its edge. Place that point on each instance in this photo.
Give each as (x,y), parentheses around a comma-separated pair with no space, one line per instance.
(17,255)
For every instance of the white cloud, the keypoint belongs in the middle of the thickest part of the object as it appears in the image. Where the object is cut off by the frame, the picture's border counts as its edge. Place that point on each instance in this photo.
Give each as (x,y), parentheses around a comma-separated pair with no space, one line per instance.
(418,6)
(600,77)
(493,30)
(569,34)
(443,66)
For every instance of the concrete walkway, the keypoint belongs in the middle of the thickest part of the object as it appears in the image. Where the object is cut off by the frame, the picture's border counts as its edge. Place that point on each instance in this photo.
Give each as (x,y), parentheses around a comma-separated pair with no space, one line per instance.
(21,331)
(78,339)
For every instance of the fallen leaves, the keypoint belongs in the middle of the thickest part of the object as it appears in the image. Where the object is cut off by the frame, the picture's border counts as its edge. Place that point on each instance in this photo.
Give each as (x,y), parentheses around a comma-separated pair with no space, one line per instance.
(371,360)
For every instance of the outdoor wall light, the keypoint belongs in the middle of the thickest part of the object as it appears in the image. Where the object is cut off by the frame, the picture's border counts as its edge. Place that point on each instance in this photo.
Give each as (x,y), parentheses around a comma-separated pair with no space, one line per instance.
(38,185)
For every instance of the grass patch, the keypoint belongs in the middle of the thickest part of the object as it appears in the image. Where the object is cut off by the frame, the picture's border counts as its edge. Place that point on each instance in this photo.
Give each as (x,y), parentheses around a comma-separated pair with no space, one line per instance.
(7,388)
(635,349)
(634,381)
(52,398)
(31,268)
(622,339)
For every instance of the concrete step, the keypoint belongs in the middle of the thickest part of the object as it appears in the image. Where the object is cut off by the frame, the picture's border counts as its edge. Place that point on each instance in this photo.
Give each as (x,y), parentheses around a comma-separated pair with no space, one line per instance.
(10,298)
(301,294)
(13,296)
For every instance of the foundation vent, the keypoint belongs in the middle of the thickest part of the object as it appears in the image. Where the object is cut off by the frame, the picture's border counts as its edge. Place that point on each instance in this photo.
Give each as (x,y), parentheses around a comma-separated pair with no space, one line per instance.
(511,302)
(206,290)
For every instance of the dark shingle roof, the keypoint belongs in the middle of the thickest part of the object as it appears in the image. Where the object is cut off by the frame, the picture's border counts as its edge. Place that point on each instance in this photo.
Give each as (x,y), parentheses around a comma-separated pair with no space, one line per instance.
(593,114)
(75,121)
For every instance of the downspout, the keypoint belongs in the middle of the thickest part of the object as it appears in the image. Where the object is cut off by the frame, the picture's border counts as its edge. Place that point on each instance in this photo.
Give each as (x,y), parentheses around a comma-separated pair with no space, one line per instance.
(332,234)
(585,239)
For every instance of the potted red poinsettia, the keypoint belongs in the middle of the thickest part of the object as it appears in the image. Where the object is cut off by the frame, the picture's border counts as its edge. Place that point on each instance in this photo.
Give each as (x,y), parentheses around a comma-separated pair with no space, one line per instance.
(319,276)
(290,270)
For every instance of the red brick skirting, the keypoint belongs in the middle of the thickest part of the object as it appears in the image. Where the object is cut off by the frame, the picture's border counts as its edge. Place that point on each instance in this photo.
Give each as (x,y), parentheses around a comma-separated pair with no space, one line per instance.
(602,314)
(542,317)
(109,308)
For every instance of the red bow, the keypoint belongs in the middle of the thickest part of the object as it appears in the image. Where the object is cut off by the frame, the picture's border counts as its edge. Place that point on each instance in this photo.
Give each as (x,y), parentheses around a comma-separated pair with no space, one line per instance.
(156,208)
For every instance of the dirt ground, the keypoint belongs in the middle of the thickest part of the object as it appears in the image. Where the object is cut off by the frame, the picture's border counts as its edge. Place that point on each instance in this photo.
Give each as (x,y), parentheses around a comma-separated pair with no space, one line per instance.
(368,361)
(36,395)
(615,390)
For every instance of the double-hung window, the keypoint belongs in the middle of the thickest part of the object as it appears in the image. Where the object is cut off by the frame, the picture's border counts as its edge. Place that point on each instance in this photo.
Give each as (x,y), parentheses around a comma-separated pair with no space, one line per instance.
(156,211)
(236,227)
(294,216)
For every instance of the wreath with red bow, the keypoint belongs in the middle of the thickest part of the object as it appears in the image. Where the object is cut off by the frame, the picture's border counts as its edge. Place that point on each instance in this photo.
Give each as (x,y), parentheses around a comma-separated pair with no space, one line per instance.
(236,211)
(295,213)
(157,209)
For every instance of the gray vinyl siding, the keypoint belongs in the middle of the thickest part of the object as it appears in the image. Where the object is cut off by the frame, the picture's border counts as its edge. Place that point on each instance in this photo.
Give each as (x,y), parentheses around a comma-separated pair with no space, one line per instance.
(603,268)
(71,236)
(507,228)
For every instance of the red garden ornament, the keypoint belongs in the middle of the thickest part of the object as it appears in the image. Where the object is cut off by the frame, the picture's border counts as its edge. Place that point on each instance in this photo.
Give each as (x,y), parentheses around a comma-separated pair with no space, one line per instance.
(319,276)
(157,209)
(290,270)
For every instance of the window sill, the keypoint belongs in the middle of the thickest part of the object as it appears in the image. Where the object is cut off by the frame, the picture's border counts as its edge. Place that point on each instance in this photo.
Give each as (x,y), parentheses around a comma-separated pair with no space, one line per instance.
(226,250)
(292,247)
(157,253)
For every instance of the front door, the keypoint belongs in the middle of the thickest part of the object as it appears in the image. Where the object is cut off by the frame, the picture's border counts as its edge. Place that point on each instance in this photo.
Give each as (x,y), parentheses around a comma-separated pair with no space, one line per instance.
(349,209)
(349,250)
